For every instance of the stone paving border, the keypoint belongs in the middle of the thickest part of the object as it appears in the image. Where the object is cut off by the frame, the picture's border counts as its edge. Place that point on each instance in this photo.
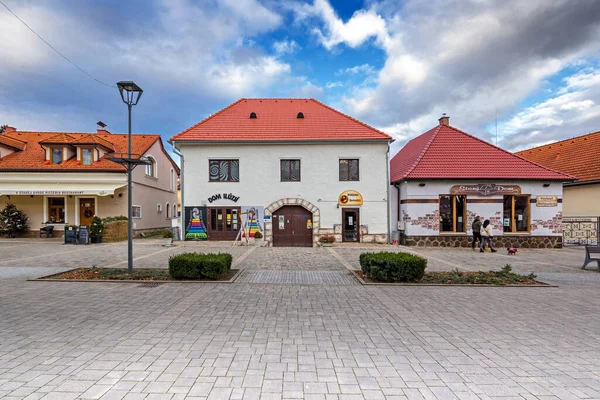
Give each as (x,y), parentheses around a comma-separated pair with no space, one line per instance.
(297,277)
(50,279)
(362,281)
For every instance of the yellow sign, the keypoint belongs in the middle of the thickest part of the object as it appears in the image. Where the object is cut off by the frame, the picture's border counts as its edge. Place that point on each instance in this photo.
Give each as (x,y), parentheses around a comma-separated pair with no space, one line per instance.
(350,198)
(546,201)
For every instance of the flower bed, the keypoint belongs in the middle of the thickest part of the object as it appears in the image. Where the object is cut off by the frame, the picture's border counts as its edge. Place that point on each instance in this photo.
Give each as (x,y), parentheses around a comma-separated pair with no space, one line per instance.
(120,274)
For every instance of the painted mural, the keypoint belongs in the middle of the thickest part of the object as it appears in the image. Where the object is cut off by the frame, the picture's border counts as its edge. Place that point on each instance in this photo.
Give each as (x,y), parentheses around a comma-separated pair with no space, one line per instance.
(195,229)
(257,224)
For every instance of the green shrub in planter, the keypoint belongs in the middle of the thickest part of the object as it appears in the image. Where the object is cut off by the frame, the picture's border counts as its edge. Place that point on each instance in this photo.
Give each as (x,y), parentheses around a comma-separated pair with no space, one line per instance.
(393,267)
(198,265)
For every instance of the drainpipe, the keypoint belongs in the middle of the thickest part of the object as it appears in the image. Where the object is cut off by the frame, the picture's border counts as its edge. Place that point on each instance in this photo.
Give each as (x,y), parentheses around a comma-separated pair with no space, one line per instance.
(182,210)
(387,184)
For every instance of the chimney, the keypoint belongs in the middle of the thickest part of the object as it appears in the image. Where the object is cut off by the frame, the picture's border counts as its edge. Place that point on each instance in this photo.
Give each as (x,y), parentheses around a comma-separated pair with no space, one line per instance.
(444,120)
(100,130)
(10,129)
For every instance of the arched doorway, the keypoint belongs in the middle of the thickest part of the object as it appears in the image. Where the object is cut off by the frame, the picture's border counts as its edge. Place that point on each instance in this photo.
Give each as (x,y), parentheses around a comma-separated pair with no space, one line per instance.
(293,222)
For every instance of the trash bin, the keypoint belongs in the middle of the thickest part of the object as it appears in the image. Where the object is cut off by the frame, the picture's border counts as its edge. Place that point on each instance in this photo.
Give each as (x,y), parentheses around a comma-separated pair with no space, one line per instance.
(395,237)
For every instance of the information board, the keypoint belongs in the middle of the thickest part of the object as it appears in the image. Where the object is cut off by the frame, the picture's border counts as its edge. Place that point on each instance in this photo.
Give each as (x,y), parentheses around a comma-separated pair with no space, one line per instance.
(84,234)
(70,234)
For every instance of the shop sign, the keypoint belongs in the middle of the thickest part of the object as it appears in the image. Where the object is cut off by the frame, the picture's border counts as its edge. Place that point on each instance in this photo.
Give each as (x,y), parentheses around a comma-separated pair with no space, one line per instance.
(350,198)
(48,192)
(546,201)
(224,196)
(485,189)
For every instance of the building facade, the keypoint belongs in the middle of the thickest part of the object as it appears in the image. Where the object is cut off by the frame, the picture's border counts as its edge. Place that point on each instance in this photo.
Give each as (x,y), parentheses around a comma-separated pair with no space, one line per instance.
(63,179)
(445,178)
(293,169)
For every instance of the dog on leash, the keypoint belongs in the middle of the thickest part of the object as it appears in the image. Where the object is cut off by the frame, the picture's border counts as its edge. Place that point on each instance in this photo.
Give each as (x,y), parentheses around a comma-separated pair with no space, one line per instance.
(511,251)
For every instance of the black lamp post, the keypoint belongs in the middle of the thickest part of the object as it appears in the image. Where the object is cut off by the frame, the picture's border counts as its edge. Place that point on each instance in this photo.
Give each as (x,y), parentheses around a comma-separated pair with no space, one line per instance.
(130,93)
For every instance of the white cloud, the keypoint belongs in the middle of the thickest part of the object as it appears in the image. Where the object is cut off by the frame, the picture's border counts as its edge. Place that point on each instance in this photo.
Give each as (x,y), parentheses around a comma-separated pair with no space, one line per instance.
(286,47)
(357,69)
(332,85)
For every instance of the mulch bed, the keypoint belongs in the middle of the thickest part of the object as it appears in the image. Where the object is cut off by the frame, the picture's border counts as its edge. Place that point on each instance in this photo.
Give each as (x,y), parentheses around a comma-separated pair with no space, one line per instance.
(118,274)
(491,278)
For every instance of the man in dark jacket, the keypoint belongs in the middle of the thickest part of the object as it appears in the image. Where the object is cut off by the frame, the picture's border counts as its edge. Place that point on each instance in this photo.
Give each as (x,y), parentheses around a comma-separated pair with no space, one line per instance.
(476,226)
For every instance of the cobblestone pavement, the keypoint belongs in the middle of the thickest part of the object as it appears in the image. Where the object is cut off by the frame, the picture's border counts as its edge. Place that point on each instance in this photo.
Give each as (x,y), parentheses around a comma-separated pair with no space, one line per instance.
(303,277)
(284,341)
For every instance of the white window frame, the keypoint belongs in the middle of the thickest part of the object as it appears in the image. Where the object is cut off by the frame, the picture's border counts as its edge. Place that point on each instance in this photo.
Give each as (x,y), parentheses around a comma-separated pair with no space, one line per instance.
(172,182)
(168,210)
(132,216)
(159,208)
(45,206)
(175,211)
(154,169)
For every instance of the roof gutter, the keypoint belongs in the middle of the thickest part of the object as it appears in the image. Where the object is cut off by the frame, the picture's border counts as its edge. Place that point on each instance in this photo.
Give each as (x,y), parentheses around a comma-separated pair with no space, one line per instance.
(236,142)
(181,181)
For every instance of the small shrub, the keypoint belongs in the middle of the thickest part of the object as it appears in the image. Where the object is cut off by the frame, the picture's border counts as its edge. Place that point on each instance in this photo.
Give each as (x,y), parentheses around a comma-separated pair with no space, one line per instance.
(393,267)
(327,239)
(258,235)
(167,234)
(198,265)
(111,219)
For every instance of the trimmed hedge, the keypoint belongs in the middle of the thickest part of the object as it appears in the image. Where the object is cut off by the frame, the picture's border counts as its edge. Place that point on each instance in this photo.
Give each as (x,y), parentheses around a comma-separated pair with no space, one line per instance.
(393,267)
(199,266)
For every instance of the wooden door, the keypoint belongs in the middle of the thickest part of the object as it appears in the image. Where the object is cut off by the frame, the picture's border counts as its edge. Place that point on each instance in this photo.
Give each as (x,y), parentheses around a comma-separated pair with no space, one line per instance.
(224,223)
(350,225)
(87,210)
(292,227)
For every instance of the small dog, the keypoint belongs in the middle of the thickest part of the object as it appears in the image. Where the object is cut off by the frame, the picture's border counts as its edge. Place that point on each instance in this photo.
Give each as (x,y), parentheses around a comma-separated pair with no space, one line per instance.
(511,251)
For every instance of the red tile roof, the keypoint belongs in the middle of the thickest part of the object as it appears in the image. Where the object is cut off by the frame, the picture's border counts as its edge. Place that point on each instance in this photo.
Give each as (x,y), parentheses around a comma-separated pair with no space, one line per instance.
(276,120)
(11,142)
(579,156)
(32,157)
(445,152)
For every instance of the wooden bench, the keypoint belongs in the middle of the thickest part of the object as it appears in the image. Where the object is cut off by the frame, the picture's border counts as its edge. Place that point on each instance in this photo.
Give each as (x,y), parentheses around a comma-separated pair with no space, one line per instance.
(592,253)
(47,230)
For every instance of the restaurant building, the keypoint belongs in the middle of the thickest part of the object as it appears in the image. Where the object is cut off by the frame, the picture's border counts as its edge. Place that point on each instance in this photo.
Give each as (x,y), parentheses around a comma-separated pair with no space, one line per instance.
(61,179)
(445,177)
(303,169)
(579,157)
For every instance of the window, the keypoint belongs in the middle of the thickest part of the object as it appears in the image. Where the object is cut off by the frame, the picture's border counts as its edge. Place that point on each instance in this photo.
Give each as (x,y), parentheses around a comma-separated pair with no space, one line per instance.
(452,213)
(172,182)
(224,170)
(87,156)
(168,208)
(349,170)
(57,156)
(151,168)
(290,170)
(136,211)
(175,215)
(516,213)
(56,210)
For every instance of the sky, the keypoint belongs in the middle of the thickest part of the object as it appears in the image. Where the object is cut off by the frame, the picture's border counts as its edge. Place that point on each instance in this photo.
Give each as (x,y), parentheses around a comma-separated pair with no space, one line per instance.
(512,72)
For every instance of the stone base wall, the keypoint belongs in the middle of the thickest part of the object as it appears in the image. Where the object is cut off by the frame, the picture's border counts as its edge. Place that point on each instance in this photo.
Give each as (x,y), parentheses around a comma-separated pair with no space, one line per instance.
(526,242)
(365,237)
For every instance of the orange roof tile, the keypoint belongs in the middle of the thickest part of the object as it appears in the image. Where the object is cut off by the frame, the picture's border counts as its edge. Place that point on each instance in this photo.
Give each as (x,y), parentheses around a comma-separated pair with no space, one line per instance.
(276,120)
(32,157)
(445,152)
(579,156)
(11,142)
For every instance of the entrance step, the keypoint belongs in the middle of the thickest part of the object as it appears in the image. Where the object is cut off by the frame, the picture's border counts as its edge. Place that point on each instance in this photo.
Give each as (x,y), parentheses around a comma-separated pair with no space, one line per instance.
(295,277)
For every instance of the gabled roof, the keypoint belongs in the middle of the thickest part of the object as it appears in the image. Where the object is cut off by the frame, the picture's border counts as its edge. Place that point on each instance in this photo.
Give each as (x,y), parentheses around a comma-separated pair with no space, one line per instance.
(579,156)
(33,158)
(94,140)
(445,152)
(276,120)
(11,142)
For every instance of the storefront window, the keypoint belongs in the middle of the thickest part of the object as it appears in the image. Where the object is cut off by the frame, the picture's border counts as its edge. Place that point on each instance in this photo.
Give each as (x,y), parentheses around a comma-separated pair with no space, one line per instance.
(87,156)
(57,156)
(516,213)
(56,210)
(452,213)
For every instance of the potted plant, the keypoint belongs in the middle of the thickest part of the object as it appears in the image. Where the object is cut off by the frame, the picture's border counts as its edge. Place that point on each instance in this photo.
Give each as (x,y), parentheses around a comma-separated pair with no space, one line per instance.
(168,236)
(327,240)
(96,229)
(13,220)
(258,238)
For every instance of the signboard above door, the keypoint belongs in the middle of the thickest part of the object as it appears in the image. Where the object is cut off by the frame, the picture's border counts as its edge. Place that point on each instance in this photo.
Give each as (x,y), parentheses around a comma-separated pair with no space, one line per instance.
(485,189)
(546,201)
(350,198)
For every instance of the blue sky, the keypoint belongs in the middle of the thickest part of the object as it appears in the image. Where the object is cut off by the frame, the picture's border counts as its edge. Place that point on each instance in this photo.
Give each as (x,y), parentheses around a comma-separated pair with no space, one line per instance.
(396,65)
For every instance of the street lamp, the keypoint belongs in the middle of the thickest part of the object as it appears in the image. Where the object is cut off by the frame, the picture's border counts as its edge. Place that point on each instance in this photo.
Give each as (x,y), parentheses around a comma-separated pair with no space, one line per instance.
(130,94)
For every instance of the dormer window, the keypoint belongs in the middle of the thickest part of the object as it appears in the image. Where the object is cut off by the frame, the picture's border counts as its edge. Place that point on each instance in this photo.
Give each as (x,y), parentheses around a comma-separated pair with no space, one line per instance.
(57,156)
(300,115)
(87,156)
(252,115)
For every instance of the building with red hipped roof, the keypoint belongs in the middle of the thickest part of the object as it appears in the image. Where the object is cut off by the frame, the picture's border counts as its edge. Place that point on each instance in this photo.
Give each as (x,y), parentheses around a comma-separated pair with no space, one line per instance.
(293,169)
(445,177)
(64,178)
(579,157)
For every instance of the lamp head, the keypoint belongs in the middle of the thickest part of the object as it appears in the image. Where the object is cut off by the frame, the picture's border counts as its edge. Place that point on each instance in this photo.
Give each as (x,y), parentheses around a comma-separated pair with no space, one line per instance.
(130,92)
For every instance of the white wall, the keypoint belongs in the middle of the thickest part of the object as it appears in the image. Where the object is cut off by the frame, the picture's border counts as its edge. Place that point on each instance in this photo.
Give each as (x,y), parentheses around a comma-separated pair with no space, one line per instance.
(260,178)
(422,219)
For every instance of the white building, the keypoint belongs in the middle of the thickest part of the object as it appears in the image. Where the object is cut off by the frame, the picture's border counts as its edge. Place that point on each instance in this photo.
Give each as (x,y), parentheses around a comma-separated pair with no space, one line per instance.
(444,178)
(303,168)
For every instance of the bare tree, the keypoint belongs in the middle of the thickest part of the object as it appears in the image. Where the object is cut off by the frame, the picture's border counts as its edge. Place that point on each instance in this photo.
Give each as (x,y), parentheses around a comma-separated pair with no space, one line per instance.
(3,128)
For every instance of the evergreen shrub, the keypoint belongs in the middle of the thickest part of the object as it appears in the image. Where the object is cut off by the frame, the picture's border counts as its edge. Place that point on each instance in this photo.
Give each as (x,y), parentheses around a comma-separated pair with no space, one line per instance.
(393,267)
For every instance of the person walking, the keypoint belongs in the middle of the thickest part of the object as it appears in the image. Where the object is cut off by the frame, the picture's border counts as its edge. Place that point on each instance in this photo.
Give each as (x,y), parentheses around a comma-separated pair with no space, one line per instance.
(487,234)
(476,227)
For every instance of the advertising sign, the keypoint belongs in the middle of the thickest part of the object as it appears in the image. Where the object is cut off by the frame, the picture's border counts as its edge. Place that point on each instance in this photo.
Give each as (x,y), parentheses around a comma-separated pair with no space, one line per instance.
(546,201)
(350,198)
(485,189)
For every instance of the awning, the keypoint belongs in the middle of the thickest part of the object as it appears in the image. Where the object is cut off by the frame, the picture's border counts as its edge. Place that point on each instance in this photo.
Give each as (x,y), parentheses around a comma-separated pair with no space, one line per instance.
(59,189)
